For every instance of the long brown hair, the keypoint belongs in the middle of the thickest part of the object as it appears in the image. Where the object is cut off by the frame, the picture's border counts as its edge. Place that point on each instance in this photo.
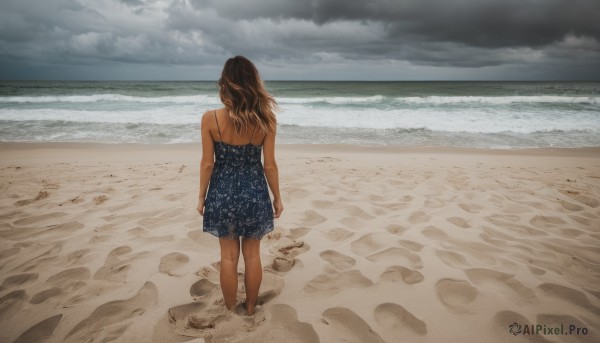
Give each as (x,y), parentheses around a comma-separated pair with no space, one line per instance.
(243,93)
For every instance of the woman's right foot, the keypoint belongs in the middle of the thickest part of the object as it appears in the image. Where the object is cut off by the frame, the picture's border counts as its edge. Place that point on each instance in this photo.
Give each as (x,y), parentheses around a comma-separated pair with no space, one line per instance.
(248,310)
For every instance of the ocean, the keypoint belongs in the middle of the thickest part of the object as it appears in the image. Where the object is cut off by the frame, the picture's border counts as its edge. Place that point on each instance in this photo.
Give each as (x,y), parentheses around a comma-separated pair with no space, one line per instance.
(451,114)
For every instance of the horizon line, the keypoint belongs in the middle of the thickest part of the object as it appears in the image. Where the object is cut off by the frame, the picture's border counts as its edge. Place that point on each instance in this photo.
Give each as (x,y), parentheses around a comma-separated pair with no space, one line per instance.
(290,80)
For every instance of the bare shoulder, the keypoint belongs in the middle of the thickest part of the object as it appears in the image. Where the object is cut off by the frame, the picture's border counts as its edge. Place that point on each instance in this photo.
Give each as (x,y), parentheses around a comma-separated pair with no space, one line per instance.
(207,114)
(208,117)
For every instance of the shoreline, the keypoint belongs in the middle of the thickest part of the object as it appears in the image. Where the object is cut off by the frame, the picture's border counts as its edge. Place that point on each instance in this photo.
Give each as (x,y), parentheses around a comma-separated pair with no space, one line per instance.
(290,156)
(549,151)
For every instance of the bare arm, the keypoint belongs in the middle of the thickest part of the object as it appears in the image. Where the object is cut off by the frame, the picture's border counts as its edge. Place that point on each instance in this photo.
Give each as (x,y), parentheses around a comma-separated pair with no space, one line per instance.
(208,160)
(272,172)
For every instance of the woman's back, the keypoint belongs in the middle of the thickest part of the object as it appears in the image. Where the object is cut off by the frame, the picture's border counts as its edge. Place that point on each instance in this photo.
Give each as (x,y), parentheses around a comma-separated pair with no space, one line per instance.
(224,131)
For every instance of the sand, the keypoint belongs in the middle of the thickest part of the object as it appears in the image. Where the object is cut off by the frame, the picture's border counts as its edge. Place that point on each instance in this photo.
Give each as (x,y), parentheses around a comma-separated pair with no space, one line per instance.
(103,243)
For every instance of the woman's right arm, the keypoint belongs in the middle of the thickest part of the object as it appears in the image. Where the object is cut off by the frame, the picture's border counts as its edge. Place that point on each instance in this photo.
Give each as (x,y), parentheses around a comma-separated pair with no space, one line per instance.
(207,161)
(272,172)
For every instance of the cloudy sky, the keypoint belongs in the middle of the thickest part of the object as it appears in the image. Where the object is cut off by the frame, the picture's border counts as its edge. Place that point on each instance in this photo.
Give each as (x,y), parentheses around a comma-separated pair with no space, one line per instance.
(301,39)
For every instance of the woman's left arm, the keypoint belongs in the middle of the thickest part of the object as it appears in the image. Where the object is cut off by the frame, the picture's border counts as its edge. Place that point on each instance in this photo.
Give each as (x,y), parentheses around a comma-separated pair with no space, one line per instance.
(208,160)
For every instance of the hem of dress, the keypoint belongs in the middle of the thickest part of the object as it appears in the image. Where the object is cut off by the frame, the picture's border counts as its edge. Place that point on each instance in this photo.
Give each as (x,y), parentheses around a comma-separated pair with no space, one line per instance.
(238,236)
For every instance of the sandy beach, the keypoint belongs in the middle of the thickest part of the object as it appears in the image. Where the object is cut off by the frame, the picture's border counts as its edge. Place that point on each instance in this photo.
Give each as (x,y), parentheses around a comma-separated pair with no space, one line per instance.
(102,242)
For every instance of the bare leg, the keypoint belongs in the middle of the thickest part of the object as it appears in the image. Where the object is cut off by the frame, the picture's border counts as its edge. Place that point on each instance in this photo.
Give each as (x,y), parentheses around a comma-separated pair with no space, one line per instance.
(230,254)
(253,272)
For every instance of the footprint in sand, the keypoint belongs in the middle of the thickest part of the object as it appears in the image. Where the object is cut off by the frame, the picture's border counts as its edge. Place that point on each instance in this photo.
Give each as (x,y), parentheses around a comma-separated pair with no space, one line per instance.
(146,235)
(18,280)
(396,229)
(285,327)
(577,196)
(203,292)
(393,206)
(434,203)
(320,204)
(433,232)
(333,282)
(520,229)
(451,258)
(570,206)
(501,283)
(196,315)
(397,273)
(351,223)
(338,234)
(285,255)
(115,269)
(471,208)
(543,222)
(171,262)
(458,221)
(589,201)
(76,200)
(346,326)
(507,217)
(100,199)
(536,271)
(41,331)
(40,196)
(202,289)
(399,321)
(370,243)
(357,212)
(113,315)
(456,295)
(571,233)
(175,196)
(39,218)
(209,272)
(418,217)
(312,218)
(298,232)
(397,254)
(376,198)
(414,246)
(11,304)
(338,260)
(68,276)
(296,192)
(45,295)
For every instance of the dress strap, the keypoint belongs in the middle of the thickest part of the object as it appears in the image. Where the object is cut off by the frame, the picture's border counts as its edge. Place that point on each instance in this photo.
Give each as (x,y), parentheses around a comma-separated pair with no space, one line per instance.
(252,135)
(218,128)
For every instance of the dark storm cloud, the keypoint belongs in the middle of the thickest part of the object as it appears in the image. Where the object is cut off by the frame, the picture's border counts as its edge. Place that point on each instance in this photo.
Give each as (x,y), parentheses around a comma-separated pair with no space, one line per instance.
(487,23)
(319,35)
(133,2)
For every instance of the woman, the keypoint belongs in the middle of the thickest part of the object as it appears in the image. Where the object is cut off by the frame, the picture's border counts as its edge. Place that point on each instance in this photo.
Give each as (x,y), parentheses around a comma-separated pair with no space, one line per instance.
(238,205)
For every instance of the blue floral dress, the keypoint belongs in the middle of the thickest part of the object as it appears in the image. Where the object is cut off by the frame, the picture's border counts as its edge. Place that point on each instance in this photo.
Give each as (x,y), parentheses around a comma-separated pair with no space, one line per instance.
(237,202)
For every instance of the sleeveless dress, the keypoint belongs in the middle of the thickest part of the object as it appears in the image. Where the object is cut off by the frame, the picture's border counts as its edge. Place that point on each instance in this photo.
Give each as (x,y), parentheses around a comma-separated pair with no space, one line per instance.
(237,201)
